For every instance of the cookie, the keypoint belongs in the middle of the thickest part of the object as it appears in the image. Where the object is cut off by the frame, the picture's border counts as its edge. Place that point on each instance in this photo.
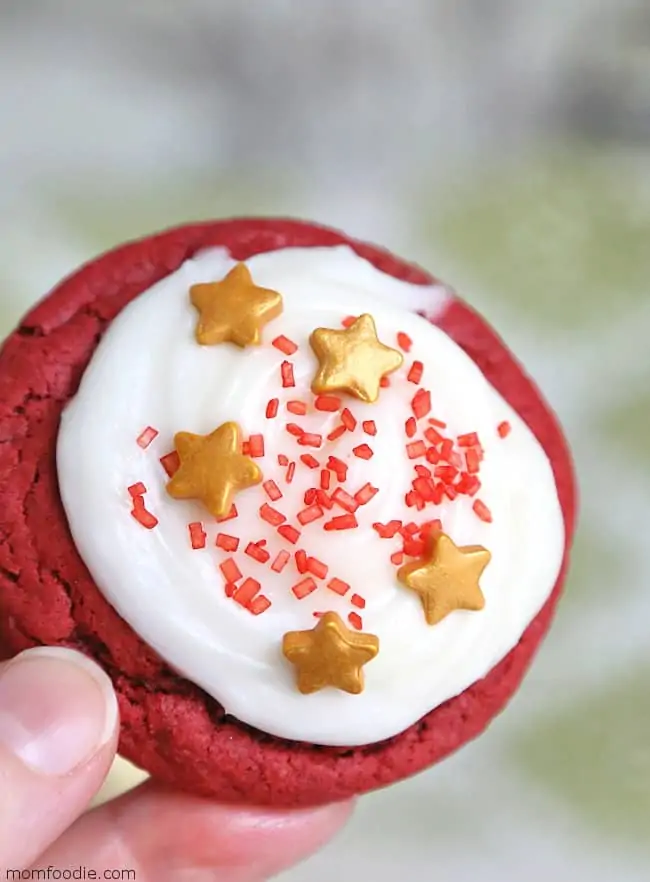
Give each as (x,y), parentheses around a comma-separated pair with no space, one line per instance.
(294,495)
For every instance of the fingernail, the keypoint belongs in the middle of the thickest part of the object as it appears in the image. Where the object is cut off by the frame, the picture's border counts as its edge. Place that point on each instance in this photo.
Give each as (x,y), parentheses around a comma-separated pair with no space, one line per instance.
(57,709)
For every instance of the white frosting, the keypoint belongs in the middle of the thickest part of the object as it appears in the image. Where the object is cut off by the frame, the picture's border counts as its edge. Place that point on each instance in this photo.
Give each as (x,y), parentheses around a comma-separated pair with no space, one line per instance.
(148,370)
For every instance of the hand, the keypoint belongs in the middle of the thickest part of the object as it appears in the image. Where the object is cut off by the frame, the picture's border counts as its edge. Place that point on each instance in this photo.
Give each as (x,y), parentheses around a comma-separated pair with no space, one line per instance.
(58,734)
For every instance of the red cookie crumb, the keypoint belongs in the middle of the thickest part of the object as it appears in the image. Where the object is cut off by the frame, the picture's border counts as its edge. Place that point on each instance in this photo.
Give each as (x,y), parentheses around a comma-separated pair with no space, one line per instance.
(169,726)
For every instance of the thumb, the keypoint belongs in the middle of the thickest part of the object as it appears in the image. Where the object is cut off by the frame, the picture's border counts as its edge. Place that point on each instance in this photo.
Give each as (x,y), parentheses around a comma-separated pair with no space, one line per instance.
(58,722)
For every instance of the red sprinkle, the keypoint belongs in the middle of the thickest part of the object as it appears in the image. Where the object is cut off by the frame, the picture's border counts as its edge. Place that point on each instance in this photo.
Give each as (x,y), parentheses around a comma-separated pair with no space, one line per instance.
(284,344)
(384,382)
(450,491)
(414,547)
(291,470)
(433,456)
(339,468)
(304,588)
(468,440)
(171,463)
(472,460)
(365,494)
(325,500)
(447,449)
(369,427)
(387,531)
(272,408)
(482,511)
(358,601)
(421,403)
(363,451)
(310,461)
(256,445)
(246,591)
(504,429)
(415,373)
(271,515)
(310,496)
(329,403)
(259,605)
(272,490)
(145,437)
(433,437)
(338,586)
(410,427)
(230,570)
(468,484)
(197,534)
(229,588)
(355,620)
(413,498)
(289,533)
(397,558)
(336,433)
(347,502)
(424,487)
(437,423)
(348,420)
(294,429)
(416,449)
(310,439)
(137,489)
(429,527)
(231,514)
(301,561)
(349,320)
(227,542)
(245,448)
(404,341)
(280,562)
(446,472)
(259,554)
(309,514)
(325,478)
(297,407)
(317,567)
(286,372)
(342,522)
(141,515)
(283,460)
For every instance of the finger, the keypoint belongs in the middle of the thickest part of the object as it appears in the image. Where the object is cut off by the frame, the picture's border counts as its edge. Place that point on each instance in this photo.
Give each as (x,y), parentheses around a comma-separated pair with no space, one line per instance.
(58,722)
(164,836)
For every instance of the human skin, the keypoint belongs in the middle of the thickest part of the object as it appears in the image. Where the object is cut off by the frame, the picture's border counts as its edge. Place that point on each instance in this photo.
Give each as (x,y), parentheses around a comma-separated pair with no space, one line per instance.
(58,736)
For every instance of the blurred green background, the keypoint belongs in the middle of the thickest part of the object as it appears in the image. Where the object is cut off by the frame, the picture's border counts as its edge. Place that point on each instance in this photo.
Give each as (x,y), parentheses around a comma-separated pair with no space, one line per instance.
(506,146)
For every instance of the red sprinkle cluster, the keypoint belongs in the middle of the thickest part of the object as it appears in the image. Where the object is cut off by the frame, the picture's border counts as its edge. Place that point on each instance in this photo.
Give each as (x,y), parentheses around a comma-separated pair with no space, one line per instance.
(443,469)
(327,504)
(139,510)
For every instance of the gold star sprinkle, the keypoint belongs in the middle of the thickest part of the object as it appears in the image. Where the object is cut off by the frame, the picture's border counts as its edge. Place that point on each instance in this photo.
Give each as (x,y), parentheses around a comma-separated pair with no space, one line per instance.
(447,578)
(353,360)
(329,655)
(233,310)
(212,468)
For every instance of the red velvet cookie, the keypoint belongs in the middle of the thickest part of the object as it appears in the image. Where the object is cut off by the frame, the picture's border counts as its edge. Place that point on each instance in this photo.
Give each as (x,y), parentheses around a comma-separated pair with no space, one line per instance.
(170,726)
